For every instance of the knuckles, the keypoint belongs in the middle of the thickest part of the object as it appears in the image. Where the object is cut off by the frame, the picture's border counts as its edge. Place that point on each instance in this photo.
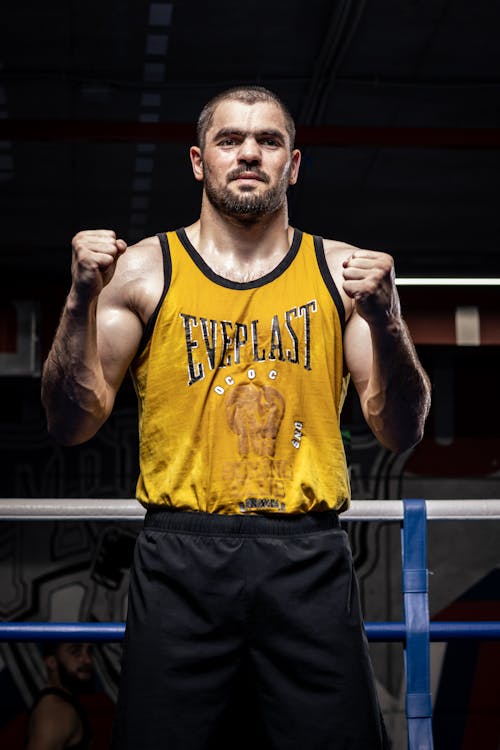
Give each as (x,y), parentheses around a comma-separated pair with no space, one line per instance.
(88,233)
(95,253)
(102,242)
(97,239)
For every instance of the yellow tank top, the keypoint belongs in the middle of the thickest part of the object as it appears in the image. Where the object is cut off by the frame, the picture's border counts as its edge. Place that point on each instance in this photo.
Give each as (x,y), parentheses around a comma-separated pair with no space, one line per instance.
(240,387)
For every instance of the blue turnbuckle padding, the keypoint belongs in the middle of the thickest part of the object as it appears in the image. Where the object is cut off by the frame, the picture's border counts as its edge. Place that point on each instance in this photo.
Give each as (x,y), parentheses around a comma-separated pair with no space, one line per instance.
(419,705)
(416,609)
(415,581)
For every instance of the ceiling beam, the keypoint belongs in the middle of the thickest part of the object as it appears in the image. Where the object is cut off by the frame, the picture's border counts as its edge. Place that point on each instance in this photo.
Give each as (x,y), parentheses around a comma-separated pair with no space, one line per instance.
(311,135)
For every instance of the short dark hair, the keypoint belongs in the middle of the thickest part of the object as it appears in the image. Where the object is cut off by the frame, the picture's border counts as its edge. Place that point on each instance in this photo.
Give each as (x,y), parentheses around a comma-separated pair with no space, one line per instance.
(247,95)
(50,647)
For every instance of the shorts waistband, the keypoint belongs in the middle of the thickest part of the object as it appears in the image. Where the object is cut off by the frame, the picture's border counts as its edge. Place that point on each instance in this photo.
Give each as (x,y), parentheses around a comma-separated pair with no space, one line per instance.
(240,525)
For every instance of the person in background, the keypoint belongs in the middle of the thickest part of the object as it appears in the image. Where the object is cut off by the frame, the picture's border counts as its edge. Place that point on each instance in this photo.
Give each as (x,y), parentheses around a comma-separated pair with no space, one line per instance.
(57,720)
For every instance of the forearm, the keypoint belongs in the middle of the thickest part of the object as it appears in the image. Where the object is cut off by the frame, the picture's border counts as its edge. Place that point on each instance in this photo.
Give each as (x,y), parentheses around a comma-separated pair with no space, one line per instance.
(396,400)
(75,394)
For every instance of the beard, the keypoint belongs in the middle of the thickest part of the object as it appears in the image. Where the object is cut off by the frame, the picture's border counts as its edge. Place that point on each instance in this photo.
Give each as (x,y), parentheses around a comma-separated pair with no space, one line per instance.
(76,682)
(245,205)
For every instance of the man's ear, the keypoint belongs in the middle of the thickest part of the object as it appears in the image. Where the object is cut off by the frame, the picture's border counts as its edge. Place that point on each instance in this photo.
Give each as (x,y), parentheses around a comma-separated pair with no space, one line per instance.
(51,663)
(295,165)
(196,162)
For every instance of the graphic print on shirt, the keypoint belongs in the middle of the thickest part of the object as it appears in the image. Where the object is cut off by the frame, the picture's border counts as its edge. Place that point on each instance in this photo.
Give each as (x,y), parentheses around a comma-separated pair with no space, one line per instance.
(256,478)
(254,412)
(212,344)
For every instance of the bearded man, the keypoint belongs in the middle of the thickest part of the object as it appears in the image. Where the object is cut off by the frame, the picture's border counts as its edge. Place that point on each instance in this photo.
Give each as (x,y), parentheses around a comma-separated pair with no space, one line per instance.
(57,719)
(241,333)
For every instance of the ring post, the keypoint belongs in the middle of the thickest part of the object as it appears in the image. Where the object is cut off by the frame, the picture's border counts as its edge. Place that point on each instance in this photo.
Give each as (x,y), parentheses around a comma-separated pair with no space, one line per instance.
(416,610)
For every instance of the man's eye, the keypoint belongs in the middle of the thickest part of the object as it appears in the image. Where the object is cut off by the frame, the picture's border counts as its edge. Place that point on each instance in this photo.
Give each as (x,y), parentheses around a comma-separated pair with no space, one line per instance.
(227,142)
(270,142)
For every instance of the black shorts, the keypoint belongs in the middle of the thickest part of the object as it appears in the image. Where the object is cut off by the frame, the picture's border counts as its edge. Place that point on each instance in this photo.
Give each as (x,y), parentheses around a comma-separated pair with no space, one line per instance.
(245,631)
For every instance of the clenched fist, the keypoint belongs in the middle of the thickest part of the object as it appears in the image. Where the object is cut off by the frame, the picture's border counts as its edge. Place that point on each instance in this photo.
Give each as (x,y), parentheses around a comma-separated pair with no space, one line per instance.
(369,279)
(95,254)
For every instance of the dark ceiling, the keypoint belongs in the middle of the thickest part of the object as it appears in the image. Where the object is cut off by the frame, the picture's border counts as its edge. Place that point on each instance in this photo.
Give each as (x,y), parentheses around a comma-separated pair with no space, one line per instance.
(397,103)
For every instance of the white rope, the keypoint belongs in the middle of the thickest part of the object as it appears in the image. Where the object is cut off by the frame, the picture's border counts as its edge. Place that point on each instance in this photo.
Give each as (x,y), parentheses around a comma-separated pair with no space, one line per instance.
(97,509)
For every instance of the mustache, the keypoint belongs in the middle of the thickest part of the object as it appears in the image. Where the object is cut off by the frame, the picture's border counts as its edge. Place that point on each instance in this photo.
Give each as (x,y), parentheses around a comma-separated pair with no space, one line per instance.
(241,170)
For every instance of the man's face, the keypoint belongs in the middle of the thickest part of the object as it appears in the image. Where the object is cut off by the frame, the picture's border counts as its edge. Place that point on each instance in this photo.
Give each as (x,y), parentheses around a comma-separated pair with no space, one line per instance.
(246,164)
(75,665)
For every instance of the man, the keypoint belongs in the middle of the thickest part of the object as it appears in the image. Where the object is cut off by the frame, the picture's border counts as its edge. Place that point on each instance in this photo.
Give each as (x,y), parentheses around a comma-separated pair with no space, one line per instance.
(57,719)
(240,332)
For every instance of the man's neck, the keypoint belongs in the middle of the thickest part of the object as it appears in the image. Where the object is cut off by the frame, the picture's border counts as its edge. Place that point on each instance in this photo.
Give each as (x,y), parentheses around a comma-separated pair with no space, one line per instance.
(238,250)
(55,682)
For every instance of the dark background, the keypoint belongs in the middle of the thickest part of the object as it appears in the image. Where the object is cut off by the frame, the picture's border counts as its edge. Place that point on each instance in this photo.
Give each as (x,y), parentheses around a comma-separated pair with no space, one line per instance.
(397,103)
(398,112)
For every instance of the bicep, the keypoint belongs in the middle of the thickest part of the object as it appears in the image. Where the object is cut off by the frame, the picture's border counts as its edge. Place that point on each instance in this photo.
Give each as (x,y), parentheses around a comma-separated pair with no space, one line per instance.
(358,353)
(119,332)
(357,341)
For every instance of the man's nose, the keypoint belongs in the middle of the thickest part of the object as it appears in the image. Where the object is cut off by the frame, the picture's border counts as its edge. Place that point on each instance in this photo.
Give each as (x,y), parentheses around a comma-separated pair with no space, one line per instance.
(249,151)
(86,657)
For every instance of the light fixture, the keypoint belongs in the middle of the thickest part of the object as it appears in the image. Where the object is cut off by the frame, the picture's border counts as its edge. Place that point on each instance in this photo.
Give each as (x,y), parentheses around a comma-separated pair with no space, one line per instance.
(448,281)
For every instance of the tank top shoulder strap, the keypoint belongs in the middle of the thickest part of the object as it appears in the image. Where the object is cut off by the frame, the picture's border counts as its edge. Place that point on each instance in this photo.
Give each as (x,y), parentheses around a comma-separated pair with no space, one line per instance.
(330,284)
(163,238)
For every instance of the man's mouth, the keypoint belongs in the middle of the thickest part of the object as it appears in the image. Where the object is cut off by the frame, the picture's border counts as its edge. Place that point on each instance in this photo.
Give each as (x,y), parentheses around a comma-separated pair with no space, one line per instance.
(248,174)
(84,673)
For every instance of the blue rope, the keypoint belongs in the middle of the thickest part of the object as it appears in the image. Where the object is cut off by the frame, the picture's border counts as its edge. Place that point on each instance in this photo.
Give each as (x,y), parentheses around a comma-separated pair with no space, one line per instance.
(114,631)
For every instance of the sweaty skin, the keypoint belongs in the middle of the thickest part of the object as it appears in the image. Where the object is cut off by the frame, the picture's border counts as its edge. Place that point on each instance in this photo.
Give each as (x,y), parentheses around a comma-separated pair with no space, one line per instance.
(247,164)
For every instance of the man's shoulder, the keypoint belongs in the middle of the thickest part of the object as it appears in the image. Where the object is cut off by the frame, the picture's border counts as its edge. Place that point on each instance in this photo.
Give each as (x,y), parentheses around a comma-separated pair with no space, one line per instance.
(338,249)
(143,248)
(138,280)
(140,260)
(333,247)
(55,705)
(54,717)
(336,252)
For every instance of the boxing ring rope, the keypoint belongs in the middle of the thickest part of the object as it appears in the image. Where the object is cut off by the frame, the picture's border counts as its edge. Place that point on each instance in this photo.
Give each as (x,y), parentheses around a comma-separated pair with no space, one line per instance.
(108,632)
(97,509)
(415,632)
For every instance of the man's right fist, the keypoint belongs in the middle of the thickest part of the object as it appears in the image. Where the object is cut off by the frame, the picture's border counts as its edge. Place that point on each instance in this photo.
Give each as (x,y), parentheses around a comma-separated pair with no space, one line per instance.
(95,254)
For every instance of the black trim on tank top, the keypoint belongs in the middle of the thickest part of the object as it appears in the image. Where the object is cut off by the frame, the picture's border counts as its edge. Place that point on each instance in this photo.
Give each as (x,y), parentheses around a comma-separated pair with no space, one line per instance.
(222,281)
(328,279)
(167,277)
